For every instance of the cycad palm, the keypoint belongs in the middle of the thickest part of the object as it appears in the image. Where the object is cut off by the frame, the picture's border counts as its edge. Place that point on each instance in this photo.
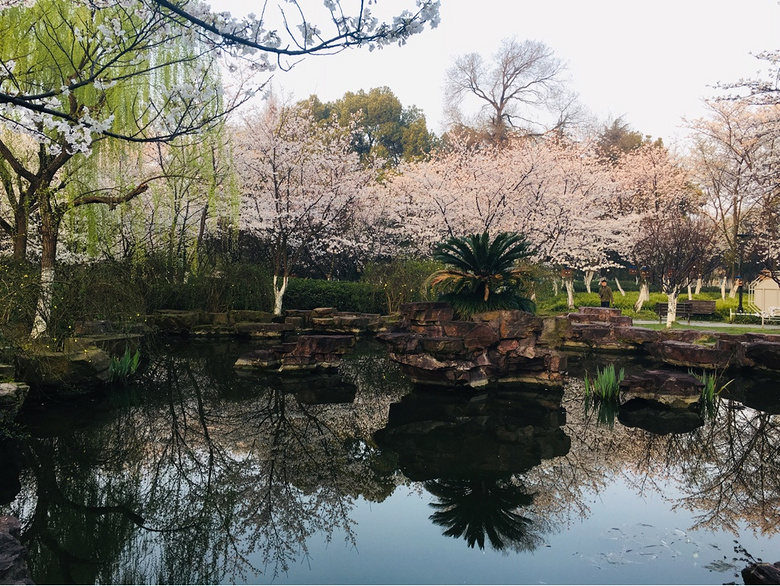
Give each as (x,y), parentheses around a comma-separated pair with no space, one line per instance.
(482,275)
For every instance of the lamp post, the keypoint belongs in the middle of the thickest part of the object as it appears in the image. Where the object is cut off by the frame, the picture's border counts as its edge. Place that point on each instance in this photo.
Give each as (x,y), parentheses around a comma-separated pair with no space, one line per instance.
(739,290)
(740,282)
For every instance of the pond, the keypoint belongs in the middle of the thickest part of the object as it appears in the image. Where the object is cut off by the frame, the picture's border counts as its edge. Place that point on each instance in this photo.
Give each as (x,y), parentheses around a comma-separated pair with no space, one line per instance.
(199,474)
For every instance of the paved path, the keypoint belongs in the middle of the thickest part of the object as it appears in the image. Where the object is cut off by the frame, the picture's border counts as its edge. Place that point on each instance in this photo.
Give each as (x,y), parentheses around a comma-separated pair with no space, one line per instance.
(704,324)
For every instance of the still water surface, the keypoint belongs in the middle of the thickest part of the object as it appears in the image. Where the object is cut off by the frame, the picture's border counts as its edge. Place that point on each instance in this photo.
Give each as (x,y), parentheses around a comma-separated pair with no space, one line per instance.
(198,474)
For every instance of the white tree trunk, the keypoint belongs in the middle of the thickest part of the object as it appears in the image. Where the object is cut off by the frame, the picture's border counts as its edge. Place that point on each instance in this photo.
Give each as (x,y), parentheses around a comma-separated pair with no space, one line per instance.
(733,289)
(279,291)
(690,292)
(43,307)
(698,285)
(723,289)
(617,284)
(588,279)
(569,284)
(671,315)
(644,295)
(555,287)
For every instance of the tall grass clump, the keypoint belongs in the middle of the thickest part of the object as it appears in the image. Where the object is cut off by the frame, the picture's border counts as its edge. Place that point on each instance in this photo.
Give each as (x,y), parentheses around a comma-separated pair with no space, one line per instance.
(605,386)
(710,392)
(123,368)
(603,393)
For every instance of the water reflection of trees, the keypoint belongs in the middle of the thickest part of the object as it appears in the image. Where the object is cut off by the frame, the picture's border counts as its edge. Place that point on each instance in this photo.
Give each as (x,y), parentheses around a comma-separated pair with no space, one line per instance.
(728,470)
(206,477)
(201,476)
(731,472)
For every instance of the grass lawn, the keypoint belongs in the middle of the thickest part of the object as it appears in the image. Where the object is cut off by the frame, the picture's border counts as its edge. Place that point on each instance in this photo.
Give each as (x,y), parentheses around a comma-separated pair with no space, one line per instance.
(715,327)
(556,305)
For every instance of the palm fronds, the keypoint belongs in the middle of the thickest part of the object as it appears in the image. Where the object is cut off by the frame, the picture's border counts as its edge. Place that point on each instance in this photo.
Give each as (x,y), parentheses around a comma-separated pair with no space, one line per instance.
(482,274)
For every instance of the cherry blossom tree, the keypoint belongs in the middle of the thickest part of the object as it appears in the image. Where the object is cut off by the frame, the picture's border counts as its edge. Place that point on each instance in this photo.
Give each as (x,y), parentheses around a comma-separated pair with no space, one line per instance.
(755,102)
(762,90)
(575,223)
(301,185)
(552,190)
(463,189)
(652,184)
(673,246)
(731,158)
(764,232)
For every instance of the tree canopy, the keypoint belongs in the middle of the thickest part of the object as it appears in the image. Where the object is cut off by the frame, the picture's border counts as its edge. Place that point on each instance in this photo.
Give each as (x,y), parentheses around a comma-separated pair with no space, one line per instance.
(387,130)
(120,41)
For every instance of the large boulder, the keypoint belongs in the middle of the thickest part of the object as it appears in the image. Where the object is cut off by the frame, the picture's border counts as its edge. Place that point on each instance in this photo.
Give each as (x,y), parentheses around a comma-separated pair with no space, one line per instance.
(692,355)
(762,573)
(12,396)
(673,389)
(605,315)
(429,369)
(511,323)
(114,343)
(262,330)
(426,312)
(71,373)
(323,345)
(179,322)
(496,347)
(13,564)
(308,353)
(763,354)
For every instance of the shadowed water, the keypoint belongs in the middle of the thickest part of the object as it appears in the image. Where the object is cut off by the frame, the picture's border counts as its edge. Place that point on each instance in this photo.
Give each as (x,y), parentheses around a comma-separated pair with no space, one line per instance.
(197,474)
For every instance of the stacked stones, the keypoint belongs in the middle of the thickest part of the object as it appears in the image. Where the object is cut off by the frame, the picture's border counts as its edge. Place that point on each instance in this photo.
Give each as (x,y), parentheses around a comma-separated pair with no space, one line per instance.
(498,347)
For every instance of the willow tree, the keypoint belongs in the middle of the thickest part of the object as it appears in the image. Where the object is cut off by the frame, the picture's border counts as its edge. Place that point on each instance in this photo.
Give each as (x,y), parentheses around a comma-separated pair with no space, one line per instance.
(75,73)
(144,91)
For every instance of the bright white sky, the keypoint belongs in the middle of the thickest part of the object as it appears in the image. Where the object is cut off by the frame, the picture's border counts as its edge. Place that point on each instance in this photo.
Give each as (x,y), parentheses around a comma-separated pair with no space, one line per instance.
(649,62)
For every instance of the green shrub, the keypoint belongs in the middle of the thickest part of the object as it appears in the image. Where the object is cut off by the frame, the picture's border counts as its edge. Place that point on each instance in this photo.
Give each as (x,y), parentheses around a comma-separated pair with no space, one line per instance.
(343,295)
(19,282)
(232,286)
(399,281)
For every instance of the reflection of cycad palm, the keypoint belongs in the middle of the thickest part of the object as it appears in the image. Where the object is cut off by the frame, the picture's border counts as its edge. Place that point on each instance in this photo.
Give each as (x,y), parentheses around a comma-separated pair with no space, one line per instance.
(475,508)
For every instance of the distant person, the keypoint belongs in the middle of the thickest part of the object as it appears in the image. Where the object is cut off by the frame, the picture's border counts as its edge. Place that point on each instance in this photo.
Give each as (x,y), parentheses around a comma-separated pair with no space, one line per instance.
(605,294)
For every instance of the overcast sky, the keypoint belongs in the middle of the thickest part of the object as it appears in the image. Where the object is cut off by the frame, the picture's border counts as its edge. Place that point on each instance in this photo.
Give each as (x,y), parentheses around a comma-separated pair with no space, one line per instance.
(649,62)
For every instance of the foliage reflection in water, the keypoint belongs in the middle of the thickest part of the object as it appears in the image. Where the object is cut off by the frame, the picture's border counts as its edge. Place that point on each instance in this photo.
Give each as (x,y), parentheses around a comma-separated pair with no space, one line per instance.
(195,474)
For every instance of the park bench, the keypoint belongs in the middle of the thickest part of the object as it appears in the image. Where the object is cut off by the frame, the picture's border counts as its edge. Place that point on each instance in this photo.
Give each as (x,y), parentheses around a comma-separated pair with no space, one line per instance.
(687,309)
